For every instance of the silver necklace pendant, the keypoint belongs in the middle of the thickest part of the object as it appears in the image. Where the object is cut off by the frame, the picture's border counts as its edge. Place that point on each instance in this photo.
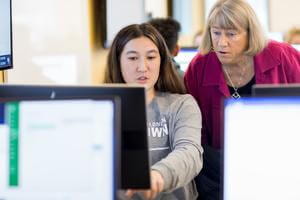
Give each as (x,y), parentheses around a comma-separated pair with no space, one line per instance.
(236,95)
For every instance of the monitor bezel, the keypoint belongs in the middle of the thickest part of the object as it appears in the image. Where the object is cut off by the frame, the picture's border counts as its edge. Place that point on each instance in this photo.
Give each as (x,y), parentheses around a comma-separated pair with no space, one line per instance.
(269,90)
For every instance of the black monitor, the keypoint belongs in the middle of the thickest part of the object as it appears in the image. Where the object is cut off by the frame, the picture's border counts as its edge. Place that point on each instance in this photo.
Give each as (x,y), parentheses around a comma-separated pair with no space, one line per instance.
(264,90)
(5,35)
(134,144)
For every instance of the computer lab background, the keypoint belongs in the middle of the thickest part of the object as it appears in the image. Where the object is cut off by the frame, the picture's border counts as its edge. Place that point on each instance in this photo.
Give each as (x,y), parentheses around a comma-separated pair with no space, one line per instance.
(66,42)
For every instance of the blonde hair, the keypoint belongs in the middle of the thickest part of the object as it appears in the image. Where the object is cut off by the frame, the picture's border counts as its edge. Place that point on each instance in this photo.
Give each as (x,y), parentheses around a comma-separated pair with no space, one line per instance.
(235,14)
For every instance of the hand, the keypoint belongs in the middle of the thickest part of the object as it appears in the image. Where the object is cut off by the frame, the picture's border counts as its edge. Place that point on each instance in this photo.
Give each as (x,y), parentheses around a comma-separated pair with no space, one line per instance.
(157,185)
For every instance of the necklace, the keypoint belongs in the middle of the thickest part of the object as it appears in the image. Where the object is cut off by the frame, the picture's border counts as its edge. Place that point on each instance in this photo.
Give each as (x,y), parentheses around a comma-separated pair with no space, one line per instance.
(235,95)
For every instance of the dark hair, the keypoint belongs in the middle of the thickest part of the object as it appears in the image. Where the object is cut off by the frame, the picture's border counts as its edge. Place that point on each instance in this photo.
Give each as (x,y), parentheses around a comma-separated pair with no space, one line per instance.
(168,80)
(169,28)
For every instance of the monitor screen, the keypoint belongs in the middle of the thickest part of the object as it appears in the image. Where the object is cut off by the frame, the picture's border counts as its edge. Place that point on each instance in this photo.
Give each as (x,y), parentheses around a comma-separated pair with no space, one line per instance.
(49,154)
(261,148)
(276,90)
(134,143)
(185,56)
(5,35)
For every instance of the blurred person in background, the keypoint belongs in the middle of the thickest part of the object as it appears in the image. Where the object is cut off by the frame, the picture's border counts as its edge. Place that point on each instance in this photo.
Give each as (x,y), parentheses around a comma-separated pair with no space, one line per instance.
(293,36)
(169,28)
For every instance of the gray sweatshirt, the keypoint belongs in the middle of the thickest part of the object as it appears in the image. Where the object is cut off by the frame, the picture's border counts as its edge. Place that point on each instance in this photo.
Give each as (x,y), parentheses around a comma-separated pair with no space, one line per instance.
(174,132)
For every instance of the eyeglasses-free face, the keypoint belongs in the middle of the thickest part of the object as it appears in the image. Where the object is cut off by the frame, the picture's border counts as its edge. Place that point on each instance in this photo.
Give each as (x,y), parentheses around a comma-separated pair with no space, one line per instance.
(229,44)
(140,62)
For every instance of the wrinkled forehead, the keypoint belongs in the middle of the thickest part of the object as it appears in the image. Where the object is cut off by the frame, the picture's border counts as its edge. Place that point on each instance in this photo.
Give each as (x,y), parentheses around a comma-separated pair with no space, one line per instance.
(227,20)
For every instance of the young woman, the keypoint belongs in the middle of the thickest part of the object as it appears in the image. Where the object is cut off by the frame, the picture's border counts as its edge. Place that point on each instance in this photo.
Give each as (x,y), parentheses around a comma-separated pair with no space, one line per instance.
(139,55)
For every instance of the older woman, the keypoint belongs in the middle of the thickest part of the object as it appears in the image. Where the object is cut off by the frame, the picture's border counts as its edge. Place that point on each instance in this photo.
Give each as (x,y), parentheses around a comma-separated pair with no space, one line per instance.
(234,55)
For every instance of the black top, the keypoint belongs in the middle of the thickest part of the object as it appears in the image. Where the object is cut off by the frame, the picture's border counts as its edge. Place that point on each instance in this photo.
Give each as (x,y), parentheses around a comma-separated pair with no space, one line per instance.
(245,90)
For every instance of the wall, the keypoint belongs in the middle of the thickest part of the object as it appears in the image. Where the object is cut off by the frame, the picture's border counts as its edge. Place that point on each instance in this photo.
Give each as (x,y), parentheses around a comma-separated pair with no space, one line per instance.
(284,14)
(51,42)
(99,63)
(157,8)
(2,76)
(195,16)
(119,14)
(52,38)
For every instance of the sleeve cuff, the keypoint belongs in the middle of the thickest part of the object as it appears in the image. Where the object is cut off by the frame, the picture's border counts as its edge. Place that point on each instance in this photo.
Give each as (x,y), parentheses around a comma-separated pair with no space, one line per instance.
(166,174)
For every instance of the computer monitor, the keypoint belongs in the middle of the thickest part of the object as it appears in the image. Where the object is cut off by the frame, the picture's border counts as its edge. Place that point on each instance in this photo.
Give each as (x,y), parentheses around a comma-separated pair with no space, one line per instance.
(134,144)
(261,90)
(261,148)
(185,56)
(5,35)
(60,149)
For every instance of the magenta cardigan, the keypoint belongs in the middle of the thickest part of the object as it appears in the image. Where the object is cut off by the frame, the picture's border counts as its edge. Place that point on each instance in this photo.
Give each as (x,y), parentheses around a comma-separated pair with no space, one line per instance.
(204,79)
